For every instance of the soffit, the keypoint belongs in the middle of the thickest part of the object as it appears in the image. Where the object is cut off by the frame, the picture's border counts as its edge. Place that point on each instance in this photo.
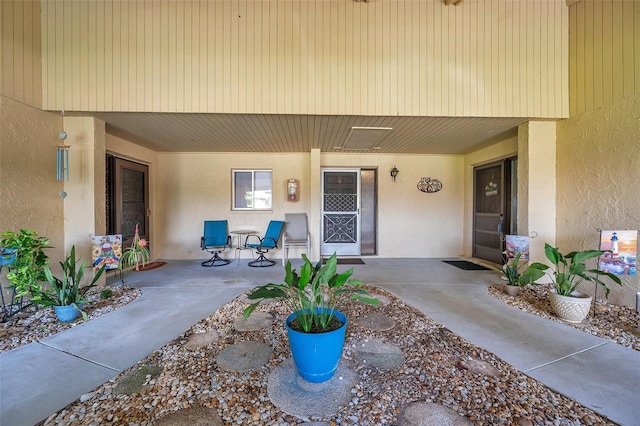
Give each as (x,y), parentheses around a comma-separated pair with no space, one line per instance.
(187,132)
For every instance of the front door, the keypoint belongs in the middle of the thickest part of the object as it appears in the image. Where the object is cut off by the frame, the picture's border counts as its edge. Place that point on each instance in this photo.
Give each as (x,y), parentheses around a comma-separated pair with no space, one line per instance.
(128,203)
(494,203)
(340,212)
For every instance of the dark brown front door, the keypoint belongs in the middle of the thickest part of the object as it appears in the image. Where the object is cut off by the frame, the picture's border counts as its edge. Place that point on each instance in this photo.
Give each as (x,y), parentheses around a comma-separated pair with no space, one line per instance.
(494,202)
(128,204)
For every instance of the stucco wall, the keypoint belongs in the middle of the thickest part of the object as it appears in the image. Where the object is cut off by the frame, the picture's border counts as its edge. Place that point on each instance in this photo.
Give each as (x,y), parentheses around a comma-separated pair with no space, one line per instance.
(196,187)
(597,168)
(29,191)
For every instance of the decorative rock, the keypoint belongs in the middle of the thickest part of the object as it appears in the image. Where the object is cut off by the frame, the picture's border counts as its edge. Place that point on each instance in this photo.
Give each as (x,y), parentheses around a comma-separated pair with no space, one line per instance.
(384,300)
(199,340)
(375,321)
(134,381)
(244,356)
(428,413)
(478,366)
(375,353)
(295,396)
(192,416)
(257,321)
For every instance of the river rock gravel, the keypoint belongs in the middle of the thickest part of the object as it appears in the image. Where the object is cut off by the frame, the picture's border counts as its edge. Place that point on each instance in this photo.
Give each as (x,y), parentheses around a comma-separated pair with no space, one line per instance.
(436,370)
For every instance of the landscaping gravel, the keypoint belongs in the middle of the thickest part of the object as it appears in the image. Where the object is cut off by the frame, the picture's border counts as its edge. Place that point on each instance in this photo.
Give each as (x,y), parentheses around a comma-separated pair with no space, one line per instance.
(440,367)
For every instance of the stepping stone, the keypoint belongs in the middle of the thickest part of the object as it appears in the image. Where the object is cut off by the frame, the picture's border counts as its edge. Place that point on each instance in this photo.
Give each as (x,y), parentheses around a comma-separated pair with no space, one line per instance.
(298,397)
(384,300)
(428,413)
(134,381)
(375,353)
(256,321)
(244,356)
(375,321)
(192,416)
(478,366)
(200,340)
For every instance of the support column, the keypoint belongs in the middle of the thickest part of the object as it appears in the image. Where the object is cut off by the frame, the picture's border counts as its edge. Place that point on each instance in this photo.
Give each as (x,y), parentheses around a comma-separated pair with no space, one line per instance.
(315,217)
(537,185)
(84,205)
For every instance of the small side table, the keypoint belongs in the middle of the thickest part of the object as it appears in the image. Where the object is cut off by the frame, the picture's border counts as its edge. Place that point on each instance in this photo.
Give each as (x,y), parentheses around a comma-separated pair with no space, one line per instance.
(241,234)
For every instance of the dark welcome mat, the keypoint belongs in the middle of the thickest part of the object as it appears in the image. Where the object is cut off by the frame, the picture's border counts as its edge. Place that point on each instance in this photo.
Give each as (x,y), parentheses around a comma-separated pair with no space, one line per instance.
(348,261)
(467,266)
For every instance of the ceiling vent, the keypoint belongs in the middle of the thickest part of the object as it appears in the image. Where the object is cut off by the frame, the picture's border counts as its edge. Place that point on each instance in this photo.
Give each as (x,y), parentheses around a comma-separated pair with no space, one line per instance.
(365,138)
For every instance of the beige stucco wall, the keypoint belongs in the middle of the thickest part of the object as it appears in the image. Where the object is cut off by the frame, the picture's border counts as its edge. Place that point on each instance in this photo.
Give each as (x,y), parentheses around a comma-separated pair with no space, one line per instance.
(197,187)
(29,191)
(598,156)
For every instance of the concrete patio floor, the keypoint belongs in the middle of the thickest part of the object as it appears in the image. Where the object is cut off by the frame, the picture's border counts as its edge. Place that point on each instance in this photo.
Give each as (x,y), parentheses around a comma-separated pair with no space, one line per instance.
(598,373)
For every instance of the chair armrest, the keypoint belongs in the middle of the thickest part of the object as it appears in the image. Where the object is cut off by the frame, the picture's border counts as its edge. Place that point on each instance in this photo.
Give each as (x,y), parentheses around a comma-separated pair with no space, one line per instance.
(202,243)
(246,240)
(275,242)
(229,240)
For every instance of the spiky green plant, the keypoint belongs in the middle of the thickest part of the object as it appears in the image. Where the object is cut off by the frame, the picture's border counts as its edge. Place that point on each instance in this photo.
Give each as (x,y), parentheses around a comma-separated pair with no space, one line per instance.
(313,294)
(570,270)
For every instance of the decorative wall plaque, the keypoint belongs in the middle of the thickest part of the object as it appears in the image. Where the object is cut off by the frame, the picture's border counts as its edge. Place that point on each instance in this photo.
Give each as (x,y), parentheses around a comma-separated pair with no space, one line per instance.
(427,184)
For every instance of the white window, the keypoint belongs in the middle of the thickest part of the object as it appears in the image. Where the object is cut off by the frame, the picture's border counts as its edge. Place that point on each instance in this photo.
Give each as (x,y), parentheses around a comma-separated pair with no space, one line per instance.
(251,190)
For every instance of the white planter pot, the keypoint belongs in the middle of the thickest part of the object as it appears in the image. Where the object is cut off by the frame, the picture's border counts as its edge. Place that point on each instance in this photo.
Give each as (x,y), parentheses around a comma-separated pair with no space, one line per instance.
(512,290)
(573,309)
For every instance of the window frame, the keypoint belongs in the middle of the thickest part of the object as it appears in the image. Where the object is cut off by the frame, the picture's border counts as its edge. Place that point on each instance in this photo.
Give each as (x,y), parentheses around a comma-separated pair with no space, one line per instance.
(253,190)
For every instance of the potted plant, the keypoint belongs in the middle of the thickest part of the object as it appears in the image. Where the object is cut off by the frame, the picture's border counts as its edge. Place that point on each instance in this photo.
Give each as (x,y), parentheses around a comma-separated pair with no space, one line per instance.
(518,275)
(569,270)
(66,294)
(24,253)
(137,254)
(316,327)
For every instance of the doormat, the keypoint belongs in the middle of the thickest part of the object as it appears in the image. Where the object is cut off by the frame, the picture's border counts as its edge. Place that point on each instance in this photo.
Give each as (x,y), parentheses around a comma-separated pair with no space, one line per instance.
(466,265)
(348,261)
(151,265)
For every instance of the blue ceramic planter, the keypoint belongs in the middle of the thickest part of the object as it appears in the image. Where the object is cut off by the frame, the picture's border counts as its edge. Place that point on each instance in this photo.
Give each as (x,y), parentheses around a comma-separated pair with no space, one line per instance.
(7,256)
(317,355)
(66,313)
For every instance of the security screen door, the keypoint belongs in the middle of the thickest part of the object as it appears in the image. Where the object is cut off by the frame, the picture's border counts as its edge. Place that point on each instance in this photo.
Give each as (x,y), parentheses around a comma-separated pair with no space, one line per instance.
(128,201)
(340,212)
(494,208)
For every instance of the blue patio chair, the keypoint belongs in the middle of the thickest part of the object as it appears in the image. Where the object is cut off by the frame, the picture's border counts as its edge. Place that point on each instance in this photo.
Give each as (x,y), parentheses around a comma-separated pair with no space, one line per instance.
(263,245)
(216,238)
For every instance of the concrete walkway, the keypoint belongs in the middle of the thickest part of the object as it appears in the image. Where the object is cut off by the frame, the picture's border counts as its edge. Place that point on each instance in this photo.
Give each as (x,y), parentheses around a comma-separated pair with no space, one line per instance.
(41,378)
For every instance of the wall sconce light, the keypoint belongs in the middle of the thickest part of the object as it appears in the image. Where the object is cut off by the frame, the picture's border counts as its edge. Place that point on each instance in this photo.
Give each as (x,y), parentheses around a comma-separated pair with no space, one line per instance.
(292,190)
(62,156)
(394,173)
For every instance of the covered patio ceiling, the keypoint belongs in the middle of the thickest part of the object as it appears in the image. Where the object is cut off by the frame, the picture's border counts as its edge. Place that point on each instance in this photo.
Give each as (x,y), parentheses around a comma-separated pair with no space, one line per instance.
(202,132)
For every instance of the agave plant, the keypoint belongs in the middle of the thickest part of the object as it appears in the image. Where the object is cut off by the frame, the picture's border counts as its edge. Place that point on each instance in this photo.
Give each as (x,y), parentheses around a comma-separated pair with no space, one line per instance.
(570,270)
(314,294)
(66,290)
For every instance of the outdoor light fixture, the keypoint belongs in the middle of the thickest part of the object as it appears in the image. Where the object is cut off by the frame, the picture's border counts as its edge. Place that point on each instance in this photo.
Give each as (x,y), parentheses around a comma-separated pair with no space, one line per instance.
(394,173)
(62,156)
(292,190)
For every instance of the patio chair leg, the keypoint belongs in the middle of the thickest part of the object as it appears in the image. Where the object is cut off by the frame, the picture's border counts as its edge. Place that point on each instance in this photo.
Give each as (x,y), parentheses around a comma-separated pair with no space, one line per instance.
(215,258)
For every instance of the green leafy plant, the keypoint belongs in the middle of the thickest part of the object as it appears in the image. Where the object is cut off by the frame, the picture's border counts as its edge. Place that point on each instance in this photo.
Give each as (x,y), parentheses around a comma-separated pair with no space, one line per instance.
(518,274)
(66,290)
(313,294)
(106,294)
(29,259)
(570,270)
(137,254)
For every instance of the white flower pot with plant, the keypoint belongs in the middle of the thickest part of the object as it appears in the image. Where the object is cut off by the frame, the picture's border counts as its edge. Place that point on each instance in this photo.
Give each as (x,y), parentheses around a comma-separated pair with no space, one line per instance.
(569,271)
